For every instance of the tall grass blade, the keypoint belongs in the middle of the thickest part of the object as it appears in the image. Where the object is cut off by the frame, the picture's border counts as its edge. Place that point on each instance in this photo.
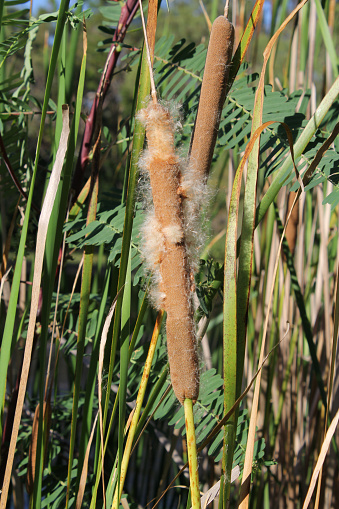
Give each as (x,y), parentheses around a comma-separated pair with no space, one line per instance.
(244,43)
(94,367)
(100,373)
(246,479)
(41,239)
(327,38)
(84,304)
(50,261)
(82,484)
(124,360)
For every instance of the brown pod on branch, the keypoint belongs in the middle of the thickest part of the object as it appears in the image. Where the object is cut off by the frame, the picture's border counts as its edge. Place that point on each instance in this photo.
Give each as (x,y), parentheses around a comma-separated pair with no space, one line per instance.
(165,250)
(212,96)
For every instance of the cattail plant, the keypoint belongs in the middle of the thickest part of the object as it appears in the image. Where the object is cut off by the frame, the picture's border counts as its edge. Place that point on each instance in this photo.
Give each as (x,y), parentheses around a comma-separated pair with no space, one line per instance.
(172,235)
(169,247)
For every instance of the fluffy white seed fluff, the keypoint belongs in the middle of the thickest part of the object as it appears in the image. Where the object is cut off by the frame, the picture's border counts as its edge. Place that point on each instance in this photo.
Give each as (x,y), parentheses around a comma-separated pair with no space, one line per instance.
(173,233)
(195,204)
(153,244)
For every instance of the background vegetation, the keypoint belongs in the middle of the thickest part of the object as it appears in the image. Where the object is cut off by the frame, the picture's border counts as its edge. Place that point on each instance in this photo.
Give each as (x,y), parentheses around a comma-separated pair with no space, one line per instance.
(60,352)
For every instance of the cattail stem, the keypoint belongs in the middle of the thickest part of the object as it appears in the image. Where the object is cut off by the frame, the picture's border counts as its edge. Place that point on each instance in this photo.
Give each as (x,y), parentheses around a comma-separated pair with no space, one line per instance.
(192,454)
(226,8)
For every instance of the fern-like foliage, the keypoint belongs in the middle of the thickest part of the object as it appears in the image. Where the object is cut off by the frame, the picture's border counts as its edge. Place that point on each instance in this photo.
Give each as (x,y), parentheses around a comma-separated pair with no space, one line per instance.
(178,75)
(107,229)
(207,414)
(14,94)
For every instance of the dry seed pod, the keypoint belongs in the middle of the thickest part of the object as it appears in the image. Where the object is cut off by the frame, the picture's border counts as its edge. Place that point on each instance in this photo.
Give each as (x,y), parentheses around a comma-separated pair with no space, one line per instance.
(212,96)
(169,253)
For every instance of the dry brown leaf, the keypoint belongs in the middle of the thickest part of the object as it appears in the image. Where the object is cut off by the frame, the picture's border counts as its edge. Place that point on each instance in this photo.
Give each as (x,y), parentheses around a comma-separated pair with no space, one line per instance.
(83,478)
(321,459)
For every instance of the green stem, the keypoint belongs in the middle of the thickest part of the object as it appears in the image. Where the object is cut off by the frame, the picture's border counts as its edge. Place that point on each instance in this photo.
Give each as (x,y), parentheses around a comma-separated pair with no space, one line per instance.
(192,454)
(136,415)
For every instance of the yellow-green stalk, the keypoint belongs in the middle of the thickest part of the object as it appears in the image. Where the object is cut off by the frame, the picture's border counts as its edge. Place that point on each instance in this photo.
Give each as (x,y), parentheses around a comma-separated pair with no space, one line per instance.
(192,454)
(137,410)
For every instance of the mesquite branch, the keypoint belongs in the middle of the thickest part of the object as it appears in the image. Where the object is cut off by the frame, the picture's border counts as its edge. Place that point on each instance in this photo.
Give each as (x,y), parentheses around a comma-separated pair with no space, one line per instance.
(127,14)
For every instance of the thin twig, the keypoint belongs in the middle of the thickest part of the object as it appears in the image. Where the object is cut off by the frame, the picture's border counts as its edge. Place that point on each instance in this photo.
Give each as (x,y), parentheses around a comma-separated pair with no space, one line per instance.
(12,174)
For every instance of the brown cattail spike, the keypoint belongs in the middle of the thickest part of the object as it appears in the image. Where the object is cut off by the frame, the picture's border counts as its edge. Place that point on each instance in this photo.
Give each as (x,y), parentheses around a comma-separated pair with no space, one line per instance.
(165,248)
(212,96)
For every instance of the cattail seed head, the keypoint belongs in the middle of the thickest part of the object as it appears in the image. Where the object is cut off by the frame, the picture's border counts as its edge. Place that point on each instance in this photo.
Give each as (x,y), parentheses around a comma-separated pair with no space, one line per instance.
(212,96)
(165,250)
